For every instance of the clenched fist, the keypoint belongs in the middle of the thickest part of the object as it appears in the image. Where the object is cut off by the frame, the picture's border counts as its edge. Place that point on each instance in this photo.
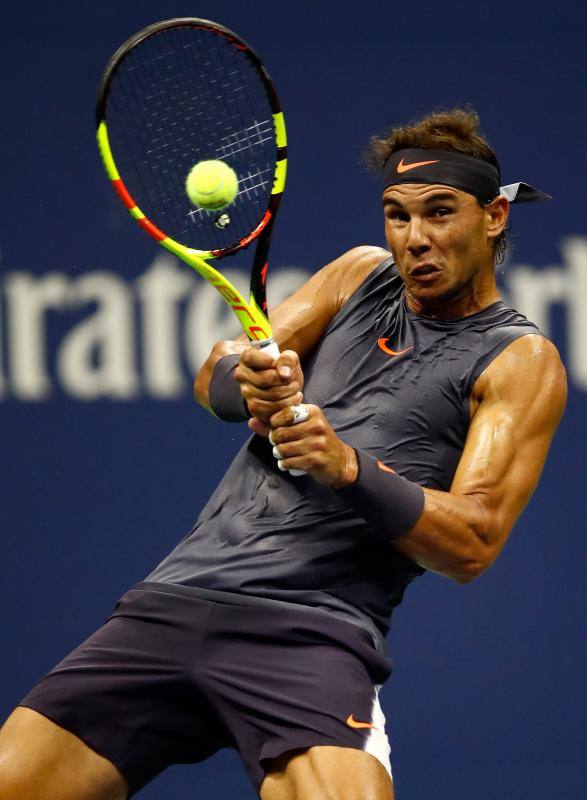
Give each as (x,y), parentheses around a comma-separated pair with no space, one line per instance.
(313,446)
(268,385)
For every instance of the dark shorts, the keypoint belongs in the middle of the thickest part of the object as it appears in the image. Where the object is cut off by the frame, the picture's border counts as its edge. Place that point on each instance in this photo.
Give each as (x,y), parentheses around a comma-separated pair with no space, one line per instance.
(173,677)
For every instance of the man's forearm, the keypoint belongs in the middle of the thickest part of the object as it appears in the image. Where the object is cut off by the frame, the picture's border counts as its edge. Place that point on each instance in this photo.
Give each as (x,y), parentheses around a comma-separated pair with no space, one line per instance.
(451,537)
(443,532)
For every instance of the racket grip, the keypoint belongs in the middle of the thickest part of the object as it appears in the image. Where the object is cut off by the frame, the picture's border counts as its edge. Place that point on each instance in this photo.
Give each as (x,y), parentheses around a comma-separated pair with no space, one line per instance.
(271,347)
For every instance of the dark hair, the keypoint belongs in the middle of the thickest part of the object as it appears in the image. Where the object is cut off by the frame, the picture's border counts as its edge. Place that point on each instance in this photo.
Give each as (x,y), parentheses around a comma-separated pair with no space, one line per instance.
(456,129)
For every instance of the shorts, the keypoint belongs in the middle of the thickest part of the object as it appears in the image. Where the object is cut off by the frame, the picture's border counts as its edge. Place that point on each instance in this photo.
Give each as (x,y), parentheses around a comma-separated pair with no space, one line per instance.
(172,677)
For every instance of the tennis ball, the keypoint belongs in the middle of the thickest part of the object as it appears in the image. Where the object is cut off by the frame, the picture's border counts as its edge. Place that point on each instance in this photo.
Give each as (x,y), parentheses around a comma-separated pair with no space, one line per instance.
(211,185)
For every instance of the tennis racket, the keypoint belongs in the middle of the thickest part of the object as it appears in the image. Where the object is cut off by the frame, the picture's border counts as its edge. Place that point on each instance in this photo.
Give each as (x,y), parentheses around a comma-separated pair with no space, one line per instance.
(183,91)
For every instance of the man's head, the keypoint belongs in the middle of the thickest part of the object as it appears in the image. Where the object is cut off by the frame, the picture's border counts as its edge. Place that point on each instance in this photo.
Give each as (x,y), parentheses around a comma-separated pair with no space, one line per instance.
(445,218)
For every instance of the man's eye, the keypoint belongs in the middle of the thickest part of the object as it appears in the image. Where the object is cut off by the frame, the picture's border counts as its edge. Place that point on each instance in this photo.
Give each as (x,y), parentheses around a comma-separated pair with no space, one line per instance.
(398,216)
(442,211)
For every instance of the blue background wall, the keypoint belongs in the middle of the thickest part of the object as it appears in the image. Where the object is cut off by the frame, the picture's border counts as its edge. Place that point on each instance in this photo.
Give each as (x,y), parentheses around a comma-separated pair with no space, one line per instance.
(106,458)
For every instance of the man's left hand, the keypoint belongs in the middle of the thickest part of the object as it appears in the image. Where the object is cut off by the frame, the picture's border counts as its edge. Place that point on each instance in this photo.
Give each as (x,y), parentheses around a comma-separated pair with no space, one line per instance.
(313,447)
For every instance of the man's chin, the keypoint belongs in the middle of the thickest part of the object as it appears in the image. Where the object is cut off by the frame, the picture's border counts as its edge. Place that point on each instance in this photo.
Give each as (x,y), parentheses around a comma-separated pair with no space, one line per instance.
(432,286)
(435,296)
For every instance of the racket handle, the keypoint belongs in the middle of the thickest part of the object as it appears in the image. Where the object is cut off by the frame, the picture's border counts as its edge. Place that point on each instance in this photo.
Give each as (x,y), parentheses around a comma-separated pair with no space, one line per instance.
(268,346)
(271,347)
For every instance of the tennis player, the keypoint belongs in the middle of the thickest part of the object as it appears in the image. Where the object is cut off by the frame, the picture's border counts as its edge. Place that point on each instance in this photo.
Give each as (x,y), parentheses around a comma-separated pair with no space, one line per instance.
(420,409)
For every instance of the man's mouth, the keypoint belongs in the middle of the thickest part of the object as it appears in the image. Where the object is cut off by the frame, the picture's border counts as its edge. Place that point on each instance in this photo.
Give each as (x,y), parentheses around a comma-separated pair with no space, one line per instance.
(424,270)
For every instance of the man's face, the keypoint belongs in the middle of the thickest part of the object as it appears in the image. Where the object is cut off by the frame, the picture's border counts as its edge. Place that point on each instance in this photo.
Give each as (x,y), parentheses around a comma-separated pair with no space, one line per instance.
(439,240)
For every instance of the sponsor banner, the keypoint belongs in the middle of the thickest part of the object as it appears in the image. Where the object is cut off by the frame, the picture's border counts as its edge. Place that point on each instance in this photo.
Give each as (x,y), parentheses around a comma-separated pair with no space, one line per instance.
(118,339)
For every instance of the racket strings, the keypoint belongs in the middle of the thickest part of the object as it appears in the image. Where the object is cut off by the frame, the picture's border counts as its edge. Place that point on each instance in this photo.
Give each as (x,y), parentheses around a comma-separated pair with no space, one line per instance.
(245,139)
(233,91)
(256,134)
(136,99)
(183,96)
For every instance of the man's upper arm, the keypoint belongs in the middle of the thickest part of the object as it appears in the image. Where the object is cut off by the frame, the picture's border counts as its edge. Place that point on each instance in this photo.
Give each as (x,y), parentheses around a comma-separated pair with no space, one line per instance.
(299,322)
(519,401)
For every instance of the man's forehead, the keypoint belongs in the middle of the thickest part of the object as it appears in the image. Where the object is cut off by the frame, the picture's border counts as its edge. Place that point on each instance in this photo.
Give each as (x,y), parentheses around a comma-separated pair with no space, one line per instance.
(405,193)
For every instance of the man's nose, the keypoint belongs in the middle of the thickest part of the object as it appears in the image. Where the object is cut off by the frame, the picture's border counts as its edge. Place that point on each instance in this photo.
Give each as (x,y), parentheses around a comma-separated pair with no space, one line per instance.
(418,240)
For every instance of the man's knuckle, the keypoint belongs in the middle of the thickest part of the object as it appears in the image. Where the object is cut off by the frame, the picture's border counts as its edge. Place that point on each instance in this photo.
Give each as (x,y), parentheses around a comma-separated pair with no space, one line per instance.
(288,389)
(287,403)
(278,419)
(265,380)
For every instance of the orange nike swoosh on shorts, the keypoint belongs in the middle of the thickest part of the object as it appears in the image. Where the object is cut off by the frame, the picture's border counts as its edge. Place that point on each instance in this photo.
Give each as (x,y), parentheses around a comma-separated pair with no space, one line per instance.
(355,724)
(401,167)
(382,344)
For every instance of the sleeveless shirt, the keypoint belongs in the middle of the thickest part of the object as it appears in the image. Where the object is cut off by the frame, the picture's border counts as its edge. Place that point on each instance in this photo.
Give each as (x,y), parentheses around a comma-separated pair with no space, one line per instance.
(266,534)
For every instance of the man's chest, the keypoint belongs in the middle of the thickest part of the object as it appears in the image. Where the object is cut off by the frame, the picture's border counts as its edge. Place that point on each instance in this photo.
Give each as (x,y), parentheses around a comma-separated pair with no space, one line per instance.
(393,390)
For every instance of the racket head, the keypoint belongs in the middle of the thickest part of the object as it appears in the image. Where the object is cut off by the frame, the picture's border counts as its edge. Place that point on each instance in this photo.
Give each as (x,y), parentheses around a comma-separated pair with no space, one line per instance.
(183,91)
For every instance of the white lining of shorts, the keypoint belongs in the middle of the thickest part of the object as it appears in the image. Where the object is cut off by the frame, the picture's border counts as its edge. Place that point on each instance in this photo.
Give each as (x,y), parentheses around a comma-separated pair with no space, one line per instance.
(377,743)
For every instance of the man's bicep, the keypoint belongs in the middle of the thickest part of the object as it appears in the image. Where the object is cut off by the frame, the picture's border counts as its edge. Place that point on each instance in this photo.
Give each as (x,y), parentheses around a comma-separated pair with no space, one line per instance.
(299,322)
(523,397)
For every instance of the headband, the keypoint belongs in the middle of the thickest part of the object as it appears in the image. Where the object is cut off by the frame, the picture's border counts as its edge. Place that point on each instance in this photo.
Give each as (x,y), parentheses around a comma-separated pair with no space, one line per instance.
(461,171)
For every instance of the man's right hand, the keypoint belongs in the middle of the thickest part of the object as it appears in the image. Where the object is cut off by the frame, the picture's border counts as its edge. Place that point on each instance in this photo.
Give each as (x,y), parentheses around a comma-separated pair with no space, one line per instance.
(268,384)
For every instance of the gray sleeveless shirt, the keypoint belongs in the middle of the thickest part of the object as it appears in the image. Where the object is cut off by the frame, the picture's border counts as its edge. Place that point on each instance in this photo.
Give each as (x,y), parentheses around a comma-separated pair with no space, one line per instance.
(392,383)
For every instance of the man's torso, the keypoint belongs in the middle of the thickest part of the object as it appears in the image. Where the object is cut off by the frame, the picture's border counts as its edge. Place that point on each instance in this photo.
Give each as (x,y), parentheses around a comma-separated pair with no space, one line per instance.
(391,383)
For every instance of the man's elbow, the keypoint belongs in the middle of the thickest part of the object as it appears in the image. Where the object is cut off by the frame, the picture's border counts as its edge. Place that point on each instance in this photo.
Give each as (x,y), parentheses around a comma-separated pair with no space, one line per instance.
(480,556)
(469,572)
(465,569)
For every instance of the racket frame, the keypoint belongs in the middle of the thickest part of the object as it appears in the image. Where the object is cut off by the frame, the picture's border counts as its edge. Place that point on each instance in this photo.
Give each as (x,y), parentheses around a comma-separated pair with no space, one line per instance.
(252,314)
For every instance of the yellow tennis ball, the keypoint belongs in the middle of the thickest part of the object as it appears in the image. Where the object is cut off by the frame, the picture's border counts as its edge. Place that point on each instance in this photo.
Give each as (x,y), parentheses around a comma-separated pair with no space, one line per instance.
(211,185)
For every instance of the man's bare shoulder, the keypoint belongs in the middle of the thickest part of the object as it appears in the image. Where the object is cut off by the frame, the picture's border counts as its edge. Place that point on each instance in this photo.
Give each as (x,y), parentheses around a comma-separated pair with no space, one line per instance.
(527,374)
(348,272)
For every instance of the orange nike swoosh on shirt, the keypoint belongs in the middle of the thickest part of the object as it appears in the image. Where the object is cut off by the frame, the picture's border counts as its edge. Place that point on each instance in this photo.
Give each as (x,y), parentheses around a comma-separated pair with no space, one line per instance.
(401,167)
(355,724)
(382,344)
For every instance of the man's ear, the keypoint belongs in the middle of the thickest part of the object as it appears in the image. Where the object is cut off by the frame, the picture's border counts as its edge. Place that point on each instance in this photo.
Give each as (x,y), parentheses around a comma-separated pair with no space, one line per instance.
(497,213)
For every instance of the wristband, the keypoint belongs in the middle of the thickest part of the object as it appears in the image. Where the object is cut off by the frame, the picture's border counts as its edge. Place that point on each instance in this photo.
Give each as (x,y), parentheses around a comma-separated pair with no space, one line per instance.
(389,503)
(224,392)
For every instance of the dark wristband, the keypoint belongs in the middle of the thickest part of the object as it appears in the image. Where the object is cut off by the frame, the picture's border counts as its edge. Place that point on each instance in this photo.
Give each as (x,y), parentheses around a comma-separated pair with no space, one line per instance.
(224,392)
(389,503)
